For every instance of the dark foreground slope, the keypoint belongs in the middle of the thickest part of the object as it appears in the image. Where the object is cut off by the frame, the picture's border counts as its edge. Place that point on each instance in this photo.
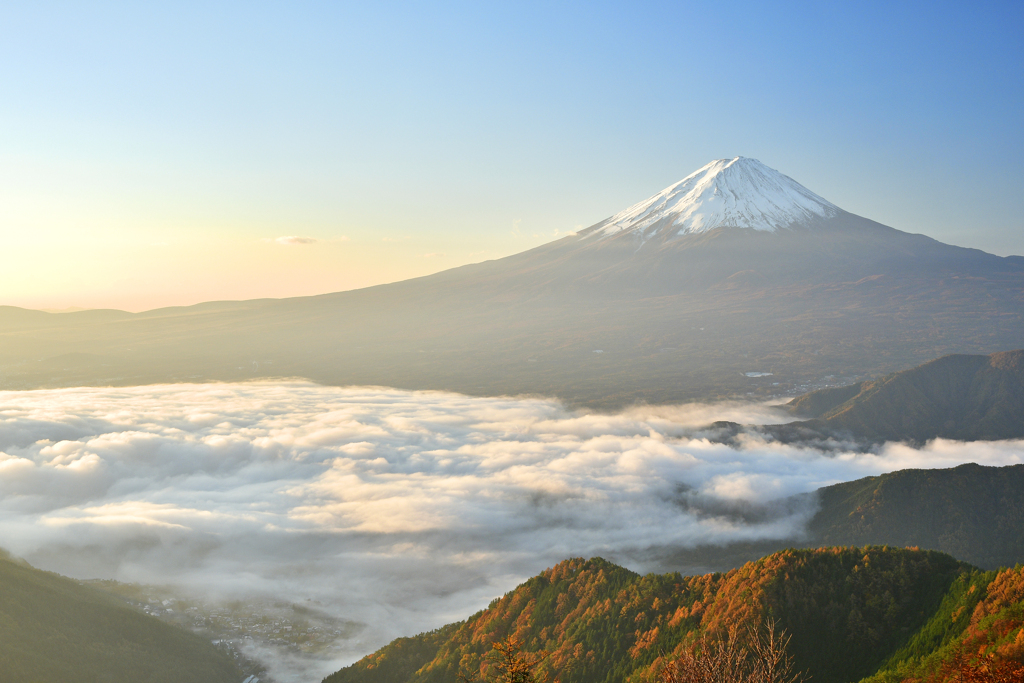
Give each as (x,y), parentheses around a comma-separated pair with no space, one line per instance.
(972,512)
(850,612)
(675,320)
(978,625)
(53,630)
(965,397)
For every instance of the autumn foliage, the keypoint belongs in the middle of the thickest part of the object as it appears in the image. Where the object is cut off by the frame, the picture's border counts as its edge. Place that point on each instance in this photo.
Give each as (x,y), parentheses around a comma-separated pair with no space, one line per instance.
(892,614)
(509,664)
(962,668)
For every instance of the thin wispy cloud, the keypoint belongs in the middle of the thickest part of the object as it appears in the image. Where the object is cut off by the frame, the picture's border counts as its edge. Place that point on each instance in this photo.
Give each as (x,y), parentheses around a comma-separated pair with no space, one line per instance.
(293,240)
(400,510)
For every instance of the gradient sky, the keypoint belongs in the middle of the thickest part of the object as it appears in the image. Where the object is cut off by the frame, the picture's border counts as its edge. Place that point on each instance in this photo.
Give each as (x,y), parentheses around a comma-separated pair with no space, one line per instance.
(152,155)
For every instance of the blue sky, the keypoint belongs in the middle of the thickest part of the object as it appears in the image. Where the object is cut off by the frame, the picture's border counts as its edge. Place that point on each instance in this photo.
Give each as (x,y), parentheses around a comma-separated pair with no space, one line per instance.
(152,155)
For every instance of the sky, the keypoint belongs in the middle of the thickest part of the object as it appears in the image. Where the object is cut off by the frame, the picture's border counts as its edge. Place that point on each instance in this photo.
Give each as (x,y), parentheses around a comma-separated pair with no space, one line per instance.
(394,511)
(158,154)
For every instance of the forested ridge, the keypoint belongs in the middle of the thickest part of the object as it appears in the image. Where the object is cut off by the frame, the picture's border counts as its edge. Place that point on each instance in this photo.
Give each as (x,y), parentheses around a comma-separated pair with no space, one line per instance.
(852,612)
(972,512)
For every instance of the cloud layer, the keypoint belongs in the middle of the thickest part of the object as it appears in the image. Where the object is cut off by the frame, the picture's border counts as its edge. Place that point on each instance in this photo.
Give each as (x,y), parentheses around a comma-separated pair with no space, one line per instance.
(400,510)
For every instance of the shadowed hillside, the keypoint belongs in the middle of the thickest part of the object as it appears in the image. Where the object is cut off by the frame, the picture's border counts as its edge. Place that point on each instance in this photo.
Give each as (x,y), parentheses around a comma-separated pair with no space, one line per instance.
(972,512)
(960,397)
(979,625)
(53,630)
(850,611)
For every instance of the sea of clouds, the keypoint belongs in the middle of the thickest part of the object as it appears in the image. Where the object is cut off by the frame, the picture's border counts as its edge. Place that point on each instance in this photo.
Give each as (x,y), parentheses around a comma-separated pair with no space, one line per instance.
(398,510)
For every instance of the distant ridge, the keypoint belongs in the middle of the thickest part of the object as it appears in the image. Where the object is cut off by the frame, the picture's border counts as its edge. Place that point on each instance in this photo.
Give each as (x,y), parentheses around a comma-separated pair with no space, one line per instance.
(964,397)
(972,512)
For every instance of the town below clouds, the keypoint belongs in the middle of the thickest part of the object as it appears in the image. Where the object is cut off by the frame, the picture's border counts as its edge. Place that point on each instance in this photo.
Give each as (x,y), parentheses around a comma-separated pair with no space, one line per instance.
(397,510)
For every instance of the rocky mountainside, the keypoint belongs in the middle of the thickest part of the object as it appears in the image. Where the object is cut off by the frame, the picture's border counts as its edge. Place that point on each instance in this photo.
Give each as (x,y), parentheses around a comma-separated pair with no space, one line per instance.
(852,613)
(734,281)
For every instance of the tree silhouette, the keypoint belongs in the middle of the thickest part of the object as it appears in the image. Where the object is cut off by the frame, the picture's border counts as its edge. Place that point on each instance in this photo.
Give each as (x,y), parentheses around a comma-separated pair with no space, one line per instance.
(761,659)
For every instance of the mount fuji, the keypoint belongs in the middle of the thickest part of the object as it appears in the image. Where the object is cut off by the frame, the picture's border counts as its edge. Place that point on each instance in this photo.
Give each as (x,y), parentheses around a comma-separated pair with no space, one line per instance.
(736,280)
(741,193)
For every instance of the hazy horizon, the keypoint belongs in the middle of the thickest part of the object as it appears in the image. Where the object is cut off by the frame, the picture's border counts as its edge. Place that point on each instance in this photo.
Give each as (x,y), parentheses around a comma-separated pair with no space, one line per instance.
(154,156)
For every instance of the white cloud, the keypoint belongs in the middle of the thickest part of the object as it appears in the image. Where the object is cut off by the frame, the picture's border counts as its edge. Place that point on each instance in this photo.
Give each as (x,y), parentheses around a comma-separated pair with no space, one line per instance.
(400,510)
(292,240)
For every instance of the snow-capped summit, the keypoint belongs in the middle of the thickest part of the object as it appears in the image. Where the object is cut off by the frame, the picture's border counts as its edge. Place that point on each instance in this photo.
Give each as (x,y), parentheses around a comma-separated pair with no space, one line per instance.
(739,192)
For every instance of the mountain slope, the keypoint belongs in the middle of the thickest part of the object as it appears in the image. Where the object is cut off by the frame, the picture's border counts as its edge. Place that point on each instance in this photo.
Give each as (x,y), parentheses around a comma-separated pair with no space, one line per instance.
(849,610)
(980,624)
(54,630)
(955,397)
(682,295)
(972,512)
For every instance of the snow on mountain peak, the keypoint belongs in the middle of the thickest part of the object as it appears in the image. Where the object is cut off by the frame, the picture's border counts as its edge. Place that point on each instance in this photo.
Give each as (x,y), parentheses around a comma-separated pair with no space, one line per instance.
(737,192)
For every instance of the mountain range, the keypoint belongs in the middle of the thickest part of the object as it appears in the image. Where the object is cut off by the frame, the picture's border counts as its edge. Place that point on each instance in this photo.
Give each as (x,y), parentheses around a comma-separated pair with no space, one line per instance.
(736,280)
(888,613)
(962,397)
